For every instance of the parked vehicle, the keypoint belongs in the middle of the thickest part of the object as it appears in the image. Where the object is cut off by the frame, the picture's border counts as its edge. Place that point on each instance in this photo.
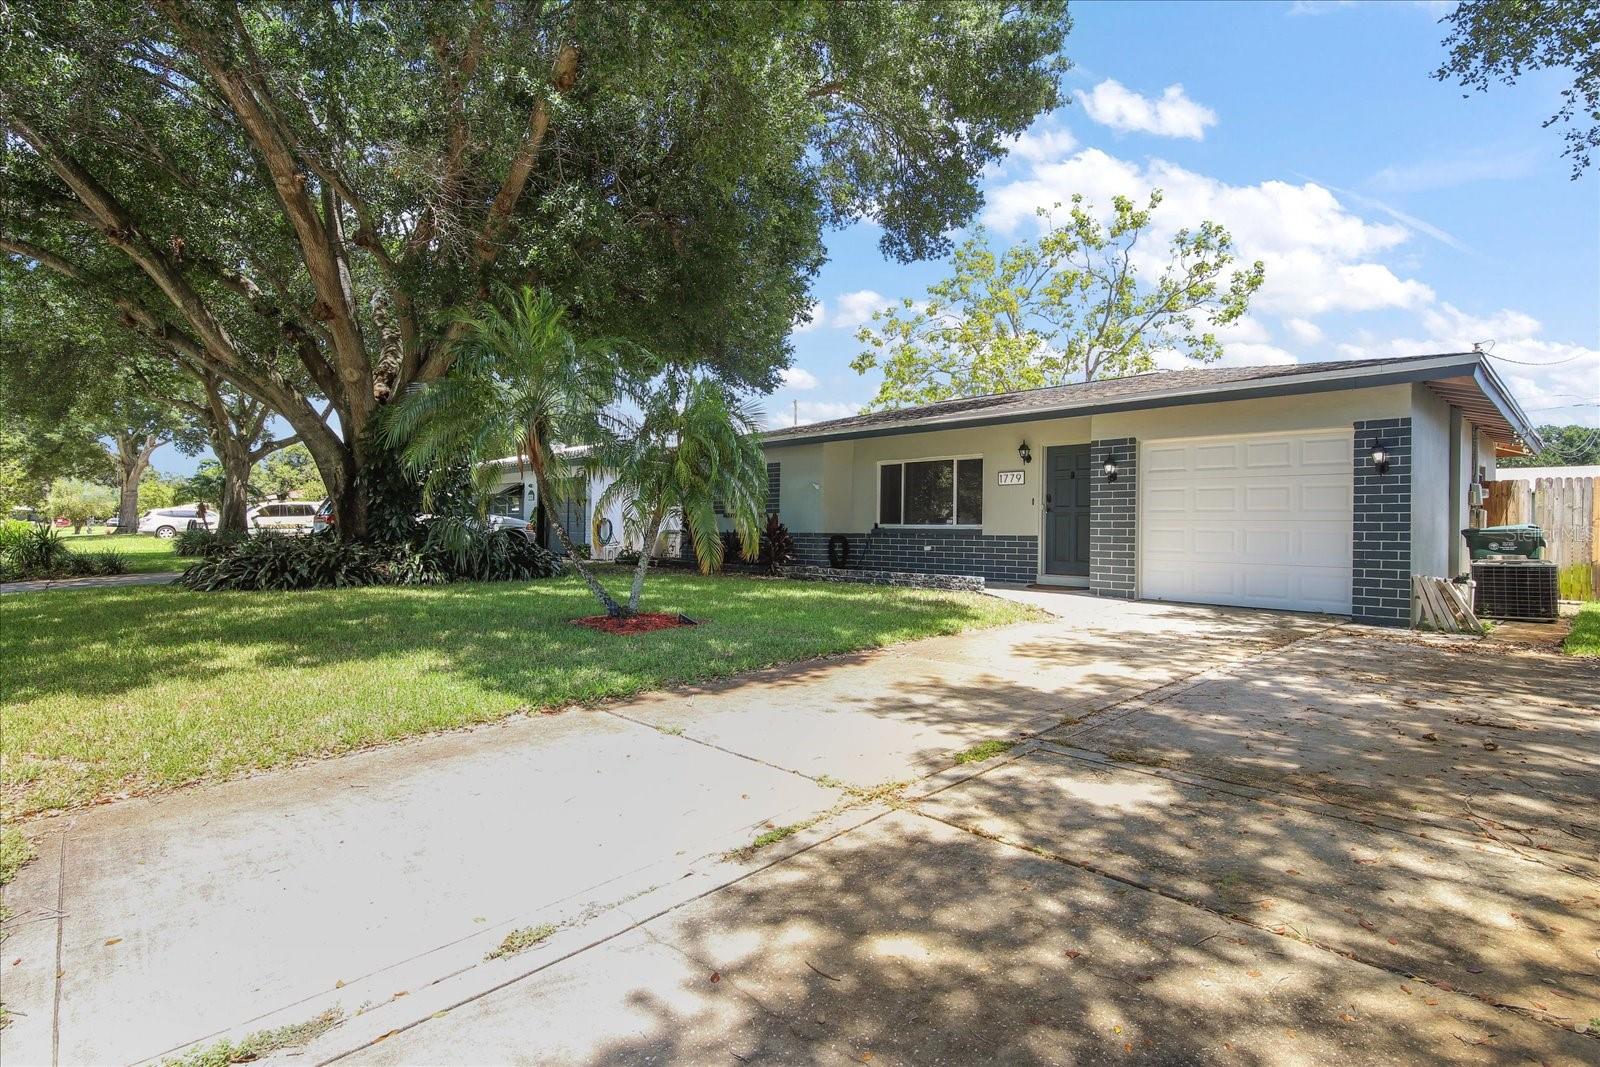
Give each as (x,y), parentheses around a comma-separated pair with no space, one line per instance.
(323,519)
(284,516)
(167,522)
(113,523)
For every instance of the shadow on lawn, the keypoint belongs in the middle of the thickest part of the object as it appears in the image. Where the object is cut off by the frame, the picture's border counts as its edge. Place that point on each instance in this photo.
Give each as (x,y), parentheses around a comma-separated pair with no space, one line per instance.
(511,638)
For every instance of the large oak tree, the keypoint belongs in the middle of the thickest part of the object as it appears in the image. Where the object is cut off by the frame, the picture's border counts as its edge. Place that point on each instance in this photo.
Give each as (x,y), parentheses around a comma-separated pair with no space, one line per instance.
(302,197)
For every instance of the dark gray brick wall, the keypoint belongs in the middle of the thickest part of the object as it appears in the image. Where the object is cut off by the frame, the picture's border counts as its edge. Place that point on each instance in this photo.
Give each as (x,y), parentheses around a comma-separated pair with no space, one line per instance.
(1381,541)
(963,582)
(1113,520)
(997,558)
(774,488)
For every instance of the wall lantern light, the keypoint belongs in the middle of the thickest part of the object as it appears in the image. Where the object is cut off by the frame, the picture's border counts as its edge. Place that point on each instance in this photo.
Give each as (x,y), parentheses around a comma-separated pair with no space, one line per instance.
(1025,453)
(1111,468)
(1380,458)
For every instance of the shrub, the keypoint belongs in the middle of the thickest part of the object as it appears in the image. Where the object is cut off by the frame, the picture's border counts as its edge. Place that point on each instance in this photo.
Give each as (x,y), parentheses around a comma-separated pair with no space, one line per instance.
(105,562)
(41,553)
(777,547)
(12,533)
(194,543)
(272,561)
(444,551)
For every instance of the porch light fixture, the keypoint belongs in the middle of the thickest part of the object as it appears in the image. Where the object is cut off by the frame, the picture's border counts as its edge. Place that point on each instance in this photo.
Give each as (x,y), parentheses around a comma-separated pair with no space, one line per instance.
(1025,453)
(1111,468)
(1380,458)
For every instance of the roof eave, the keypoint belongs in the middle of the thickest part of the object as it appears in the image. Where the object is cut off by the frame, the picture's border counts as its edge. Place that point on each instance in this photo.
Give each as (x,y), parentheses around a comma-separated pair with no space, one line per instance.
(1249,389)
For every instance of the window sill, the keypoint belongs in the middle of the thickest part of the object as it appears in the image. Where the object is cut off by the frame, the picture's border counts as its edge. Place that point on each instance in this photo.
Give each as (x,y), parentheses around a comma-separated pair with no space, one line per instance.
(930,526)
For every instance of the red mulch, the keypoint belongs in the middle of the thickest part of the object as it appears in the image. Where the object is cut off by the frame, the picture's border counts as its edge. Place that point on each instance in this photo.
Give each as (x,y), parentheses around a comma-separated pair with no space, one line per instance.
(642,623)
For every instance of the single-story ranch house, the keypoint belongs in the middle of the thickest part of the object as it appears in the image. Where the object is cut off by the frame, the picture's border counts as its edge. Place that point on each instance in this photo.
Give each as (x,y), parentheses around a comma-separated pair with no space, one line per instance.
(1317,487)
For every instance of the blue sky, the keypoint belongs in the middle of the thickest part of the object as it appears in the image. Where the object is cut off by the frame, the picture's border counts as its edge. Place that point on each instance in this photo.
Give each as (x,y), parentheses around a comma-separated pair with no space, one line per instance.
(1394,215)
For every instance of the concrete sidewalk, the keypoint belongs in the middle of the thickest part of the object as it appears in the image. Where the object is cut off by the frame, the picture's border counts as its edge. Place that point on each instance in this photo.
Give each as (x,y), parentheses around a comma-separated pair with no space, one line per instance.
(110,581)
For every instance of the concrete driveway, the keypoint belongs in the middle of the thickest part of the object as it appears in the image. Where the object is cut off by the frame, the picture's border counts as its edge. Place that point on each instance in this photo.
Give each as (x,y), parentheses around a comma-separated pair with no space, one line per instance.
(1227,835)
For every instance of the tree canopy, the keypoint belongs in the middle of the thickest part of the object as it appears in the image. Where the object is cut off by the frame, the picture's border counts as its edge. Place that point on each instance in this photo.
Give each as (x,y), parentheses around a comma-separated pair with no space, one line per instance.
(1069,305)
(1498,40)
(301,200)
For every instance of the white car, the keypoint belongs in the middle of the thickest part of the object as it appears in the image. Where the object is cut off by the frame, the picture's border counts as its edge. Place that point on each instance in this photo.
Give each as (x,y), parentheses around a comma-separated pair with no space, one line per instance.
(169,522)
(284,516)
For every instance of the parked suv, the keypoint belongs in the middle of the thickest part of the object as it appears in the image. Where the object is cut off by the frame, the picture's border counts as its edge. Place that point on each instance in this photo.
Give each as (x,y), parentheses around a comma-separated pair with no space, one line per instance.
(284,516)
(168,522)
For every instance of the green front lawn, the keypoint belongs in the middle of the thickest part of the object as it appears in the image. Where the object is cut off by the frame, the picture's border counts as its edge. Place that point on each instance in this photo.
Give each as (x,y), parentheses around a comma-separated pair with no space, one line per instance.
(1584,640)
(145,687)
(145,553)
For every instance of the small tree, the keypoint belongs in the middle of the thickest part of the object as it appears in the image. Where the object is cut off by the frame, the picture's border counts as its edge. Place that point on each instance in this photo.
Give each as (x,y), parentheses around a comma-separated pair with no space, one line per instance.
(521,384)
(694,450)
(1067,306)
(78,501)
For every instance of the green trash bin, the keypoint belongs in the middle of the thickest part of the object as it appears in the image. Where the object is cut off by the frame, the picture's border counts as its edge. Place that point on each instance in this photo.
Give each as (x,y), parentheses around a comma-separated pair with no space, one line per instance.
(1526,541)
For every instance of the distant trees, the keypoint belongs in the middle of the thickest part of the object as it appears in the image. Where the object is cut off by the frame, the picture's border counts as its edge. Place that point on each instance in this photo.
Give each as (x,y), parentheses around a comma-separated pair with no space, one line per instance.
(1564,446)
(78,501)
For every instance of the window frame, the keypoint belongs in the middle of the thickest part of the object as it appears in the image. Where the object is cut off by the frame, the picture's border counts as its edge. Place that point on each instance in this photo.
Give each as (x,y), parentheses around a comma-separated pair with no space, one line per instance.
(955,493)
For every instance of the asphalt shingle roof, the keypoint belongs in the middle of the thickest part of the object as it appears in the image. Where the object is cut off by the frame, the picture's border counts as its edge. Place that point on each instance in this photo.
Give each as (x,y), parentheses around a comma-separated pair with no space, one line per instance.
(1063,399)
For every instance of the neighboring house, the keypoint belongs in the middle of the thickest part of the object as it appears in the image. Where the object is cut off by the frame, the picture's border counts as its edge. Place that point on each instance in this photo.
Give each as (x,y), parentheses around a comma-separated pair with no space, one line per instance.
(1533,474)
(1316,487)
(516,496)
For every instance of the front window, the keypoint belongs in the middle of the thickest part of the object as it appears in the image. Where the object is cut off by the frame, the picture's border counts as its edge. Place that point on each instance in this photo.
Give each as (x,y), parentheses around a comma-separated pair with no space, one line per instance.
(507,504)
(931,492)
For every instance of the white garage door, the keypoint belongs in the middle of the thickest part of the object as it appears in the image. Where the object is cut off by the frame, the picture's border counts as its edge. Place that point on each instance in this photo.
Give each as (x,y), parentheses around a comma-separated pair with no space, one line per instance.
(1259,521)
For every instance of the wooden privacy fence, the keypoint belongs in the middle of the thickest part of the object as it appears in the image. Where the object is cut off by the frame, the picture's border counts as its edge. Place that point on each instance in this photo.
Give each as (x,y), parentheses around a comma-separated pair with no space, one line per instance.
(1568,511)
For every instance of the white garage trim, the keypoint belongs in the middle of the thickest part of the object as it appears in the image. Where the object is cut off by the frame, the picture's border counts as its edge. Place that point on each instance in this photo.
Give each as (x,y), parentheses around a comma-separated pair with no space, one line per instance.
(1257,520)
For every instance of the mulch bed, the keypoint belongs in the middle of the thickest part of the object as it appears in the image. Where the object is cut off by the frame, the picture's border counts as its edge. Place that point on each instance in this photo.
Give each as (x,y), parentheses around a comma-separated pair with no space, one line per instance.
(642,623)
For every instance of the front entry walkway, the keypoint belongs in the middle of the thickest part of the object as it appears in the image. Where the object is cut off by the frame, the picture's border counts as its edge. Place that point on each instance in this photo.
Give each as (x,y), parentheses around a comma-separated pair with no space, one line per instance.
(1223,832)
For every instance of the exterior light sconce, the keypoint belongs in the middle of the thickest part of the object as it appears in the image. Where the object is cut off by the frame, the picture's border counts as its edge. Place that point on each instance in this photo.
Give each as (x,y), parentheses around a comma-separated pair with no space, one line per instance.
(1111,468)
(1025,453)
(1380,458)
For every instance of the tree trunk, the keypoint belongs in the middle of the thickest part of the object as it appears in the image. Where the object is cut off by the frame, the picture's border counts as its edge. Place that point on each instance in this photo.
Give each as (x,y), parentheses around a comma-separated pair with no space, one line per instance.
(645,552)
(613,609)
(236,465)
(133,458)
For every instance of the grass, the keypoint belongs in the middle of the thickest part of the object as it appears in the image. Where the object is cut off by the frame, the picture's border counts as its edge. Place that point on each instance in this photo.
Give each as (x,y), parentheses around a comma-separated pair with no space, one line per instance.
(141,688)
(145,553)
(15,850)
(262,1042)
(1584,639)
(521,940)
(984,750)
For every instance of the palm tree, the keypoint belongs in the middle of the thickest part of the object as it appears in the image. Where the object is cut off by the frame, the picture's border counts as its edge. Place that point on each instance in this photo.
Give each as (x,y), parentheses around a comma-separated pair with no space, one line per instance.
(693,450)
(521,384)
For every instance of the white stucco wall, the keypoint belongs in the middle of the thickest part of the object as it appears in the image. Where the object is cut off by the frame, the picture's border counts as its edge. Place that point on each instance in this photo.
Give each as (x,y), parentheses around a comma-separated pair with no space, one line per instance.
(1433,512)
(846,471)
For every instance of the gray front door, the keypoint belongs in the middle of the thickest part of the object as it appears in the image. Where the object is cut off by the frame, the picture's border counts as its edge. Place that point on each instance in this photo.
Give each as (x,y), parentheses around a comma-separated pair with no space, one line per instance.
(1066,510)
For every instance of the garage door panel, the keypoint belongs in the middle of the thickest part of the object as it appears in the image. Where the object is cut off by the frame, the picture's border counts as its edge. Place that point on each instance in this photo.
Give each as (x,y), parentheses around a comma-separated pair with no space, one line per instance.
(1161,460)
(1270,455)
(1332,452)
(1261,522)
(1217,457)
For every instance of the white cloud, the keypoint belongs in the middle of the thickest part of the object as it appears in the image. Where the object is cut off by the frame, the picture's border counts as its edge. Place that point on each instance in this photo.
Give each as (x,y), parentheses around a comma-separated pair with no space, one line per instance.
(1318,7)
(1319,255)
(1174,115)
(1304,330)
(1043,141)
(812,320)
(798,378)
(1548,378)
(855,309)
